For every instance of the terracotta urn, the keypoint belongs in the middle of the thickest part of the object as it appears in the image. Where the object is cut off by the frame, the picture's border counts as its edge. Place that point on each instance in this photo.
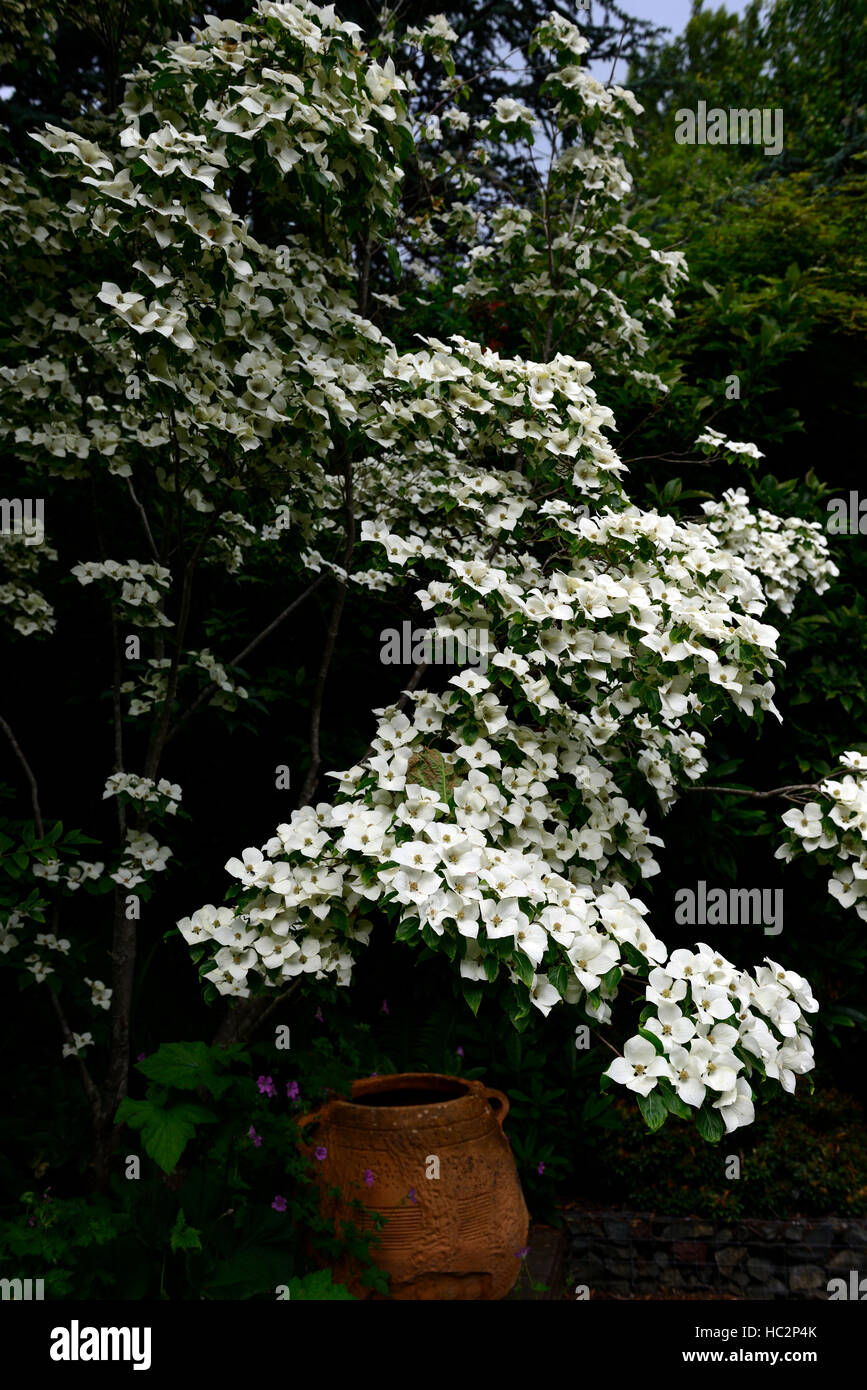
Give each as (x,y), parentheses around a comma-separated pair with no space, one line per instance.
(428,1152)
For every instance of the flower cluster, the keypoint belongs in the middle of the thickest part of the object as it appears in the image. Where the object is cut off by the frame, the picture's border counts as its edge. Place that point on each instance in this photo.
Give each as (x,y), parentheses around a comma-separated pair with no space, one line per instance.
(708,1027)
(163,794)
(835,829)
(72,876)
(785,553)
(144,855)
(142,587)
(229,692)
(150,686)
(21,604)
(79,1042)
(100,995)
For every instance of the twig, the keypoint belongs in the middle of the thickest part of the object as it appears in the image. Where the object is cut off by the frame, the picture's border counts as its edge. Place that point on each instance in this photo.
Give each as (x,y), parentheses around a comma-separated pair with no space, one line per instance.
(236,660)
(763,796)
(598,1035)
(34,790)
(86,1078)
(145,523)
(617,56)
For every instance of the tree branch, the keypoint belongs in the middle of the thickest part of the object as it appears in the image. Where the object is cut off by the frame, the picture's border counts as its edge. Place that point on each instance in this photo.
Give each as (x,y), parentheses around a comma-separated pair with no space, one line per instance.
(159,734)
(795,787)
(86,1079)
(312,777)
(241,1021)
(123,953)
(145,523)
(236,660)
(34,790)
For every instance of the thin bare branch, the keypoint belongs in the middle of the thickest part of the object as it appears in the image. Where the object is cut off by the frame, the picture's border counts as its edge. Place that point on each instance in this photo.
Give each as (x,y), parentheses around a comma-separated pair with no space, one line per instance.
(245,651)
(791,791)
(34,790)
(144,518)
(86,1079)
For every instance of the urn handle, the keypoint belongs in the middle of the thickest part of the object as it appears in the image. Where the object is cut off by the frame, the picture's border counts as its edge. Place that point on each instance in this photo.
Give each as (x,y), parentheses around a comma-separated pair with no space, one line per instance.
(499,1103)
(314,1118)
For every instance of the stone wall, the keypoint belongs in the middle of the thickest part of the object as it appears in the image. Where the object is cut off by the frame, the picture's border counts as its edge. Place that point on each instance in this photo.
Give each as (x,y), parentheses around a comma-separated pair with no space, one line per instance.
(636,1254)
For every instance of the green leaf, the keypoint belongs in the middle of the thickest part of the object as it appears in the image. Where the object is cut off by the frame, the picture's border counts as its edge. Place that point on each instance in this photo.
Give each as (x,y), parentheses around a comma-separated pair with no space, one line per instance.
(634,957)
(473,994)
(167,78)
(251,1272)
(558,976)
(186,1066)
(394,262)
(673,1102)
(404,145)
(492,968)
(407,929)
(653,1109)
(523,968)
(857,1014)
(318,1287)
(709,1124)
(656,1042)
(184,1237)
(165,1132)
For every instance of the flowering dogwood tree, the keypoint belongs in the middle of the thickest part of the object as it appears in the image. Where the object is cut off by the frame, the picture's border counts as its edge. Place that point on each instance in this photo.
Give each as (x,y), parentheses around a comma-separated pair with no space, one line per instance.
(198,347)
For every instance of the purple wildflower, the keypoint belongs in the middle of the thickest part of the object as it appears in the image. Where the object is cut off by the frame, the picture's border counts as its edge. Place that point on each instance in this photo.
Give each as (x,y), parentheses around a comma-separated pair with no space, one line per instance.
(459,1051)
(257,1138)
(540,1169)
(320,1153)
(279,1204)
(266,1086)
(412,1197)
(368,1177)
(385,1006)
(318,1014)
(522,1252)
(292,1090)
